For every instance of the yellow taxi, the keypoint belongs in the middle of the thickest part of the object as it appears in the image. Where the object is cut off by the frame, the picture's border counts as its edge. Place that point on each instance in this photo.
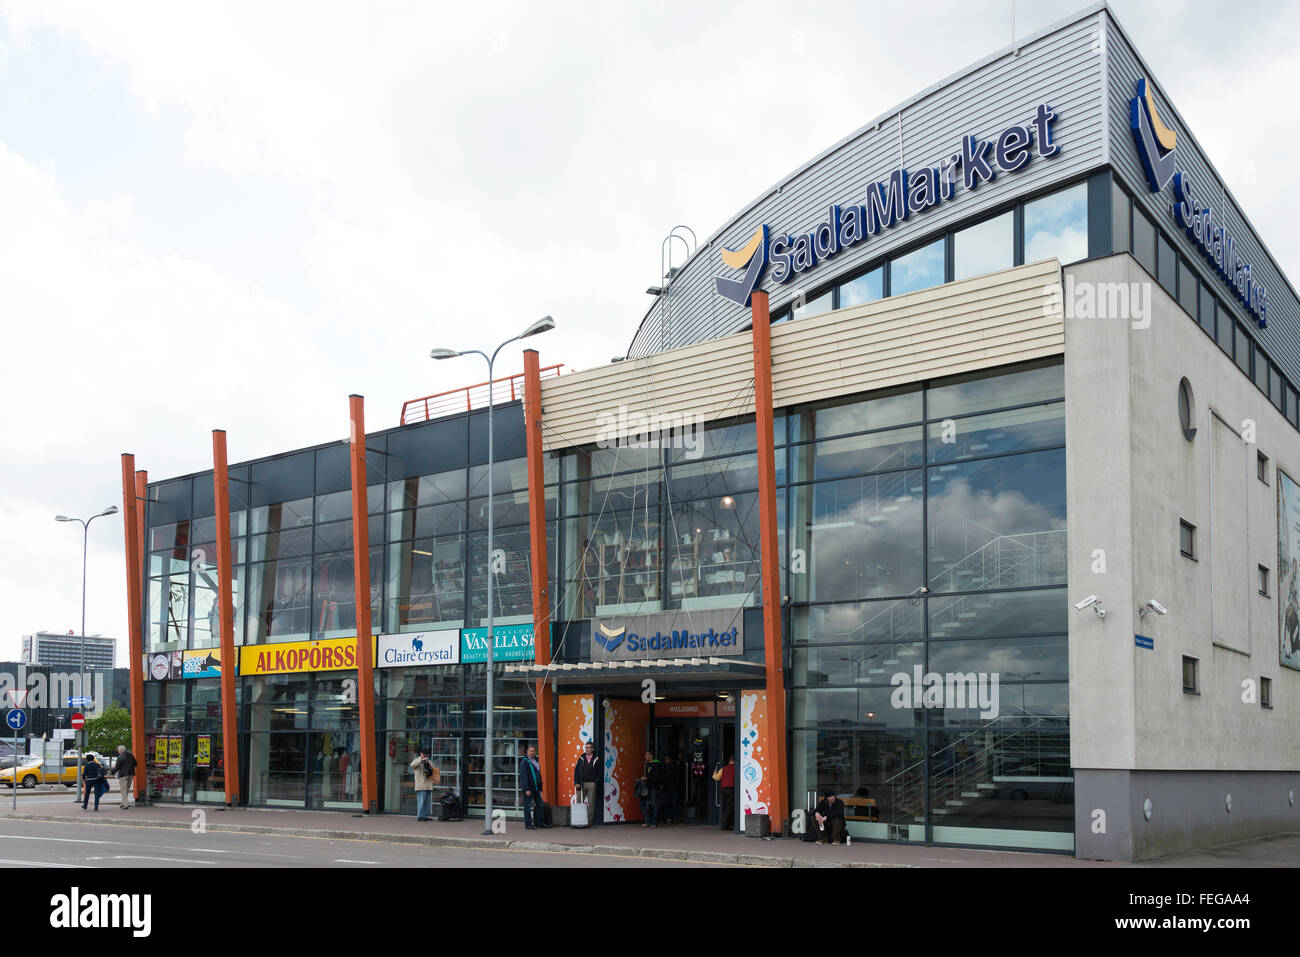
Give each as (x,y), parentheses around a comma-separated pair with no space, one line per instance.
(31,772)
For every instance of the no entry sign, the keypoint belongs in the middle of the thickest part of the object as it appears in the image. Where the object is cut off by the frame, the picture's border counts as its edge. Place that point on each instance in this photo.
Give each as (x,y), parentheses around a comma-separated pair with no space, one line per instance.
(78,720)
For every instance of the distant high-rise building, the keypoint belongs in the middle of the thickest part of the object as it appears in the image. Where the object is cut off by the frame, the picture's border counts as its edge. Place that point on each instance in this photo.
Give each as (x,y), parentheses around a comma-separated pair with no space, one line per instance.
(47,648)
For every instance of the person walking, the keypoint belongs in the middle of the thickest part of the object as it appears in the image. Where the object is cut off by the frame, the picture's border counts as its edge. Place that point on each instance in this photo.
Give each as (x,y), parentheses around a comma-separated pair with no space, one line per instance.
(426,776)
(586,773)
(673,787)
(92,779)
(530,781)
(727,784)
(125,775)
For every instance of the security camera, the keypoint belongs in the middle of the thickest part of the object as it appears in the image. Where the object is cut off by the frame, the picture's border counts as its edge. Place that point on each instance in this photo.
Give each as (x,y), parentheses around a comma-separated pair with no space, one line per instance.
(1093,602)
(1153,606)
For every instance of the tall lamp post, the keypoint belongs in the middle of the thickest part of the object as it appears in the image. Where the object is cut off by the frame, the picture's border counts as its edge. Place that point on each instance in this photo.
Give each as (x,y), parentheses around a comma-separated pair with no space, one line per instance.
(85,537)
(544,324)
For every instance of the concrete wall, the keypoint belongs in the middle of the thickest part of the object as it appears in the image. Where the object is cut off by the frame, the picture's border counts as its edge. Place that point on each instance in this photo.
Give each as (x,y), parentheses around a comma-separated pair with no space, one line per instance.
(1131,477)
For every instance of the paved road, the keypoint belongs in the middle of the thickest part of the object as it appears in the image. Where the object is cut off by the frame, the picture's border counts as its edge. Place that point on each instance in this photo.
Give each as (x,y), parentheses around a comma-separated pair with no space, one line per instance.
(79,844)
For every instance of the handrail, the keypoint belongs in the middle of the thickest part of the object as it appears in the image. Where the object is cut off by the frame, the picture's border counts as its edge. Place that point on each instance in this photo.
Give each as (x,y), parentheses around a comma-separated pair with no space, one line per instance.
(470,397)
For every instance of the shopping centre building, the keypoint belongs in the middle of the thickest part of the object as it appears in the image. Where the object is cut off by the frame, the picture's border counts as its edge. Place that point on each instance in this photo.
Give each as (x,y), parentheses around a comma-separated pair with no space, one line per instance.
(823,517)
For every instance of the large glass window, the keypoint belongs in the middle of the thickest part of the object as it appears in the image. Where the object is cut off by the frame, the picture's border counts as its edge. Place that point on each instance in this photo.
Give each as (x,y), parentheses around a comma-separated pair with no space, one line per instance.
(1056,226)
(863,535)
(992,390)
(919,269)
(847,416)
(997,523)
(811,307)
(985,247)
(866,288)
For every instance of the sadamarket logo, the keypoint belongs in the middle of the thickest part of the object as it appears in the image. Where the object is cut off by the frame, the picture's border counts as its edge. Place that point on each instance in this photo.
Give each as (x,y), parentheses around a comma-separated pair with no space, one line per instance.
(1157,147)
(885,203)
(609,638)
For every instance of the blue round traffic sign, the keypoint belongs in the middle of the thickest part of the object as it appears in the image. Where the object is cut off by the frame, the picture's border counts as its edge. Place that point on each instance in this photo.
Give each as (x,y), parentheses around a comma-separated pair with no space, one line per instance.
(16,719)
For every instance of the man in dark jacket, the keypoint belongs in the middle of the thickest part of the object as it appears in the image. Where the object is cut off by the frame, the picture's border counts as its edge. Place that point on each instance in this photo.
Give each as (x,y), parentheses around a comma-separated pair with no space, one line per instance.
(92,779)
(654,787)
(587,774)
(530,782)
(125,775)
(828,818)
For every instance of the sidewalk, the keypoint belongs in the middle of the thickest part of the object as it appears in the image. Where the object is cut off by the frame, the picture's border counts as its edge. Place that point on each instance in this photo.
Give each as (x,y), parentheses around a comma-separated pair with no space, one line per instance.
(672,842)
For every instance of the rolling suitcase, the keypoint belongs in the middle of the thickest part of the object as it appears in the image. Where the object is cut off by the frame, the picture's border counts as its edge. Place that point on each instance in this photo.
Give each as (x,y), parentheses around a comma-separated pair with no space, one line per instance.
(809,822)
(544,815)
(578,814)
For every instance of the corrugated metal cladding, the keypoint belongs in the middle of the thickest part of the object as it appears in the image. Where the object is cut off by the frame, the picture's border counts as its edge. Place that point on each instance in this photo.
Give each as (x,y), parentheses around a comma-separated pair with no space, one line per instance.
(1062,67)
(990,320)
(1281,340)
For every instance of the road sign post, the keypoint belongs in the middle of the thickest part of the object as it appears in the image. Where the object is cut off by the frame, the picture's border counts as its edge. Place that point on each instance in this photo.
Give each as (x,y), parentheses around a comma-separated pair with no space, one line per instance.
(17,720)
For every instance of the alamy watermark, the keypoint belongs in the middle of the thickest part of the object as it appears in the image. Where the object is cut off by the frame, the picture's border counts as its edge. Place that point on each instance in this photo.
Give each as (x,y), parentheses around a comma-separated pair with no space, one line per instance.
(651,430)
(950,691)
(1081,299)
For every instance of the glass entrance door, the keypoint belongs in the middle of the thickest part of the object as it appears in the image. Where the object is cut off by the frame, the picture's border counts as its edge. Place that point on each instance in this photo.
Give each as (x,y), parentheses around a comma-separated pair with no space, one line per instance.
(690,743)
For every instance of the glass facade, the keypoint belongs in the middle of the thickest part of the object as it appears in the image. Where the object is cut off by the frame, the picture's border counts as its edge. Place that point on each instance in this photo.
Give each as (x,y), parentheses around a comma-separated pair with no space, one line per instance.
(291,526)
(946,556)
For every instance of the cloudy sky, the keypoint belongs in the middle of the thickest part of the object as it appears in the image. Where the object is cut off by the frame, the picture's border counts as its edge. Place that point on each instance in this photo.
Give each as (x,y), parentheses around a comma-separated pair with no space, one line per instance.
(233,215)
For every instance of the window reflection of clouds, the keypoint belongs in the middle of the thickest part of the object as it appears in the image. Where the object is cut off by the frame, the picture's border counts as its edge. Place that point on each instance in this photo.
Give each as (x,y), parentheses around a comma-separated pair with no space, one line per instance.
(919,269)
(985,247)
(1057,226)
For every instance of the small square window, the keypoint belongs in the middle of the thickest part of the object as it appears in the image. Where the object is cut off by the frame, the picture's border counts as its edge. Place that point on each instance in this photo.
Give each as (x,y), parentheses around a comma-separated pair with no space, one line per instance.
(1187,539)
(1191,676)
(1266,693)
(1261,467)
(1263,581)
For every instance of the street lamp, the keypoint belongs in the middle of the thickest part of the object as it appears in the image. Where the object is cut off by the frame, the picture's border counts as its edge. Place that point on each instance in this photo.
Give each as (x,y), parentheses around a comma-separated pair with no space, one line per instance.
(85,535)
(545,324)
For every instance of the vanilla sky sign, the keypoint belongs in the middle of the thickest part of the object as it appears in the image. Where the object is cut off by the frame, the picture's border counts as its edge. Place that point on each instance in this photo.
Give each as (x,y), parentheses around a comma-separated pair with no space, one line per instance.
(899,196)
(509,643)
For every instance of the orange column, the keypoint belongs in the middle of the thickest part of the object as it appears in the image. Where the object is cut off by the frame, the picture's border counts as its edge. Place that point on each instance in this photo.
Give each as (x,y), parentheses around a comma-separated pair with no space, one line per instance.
(361,579)
(131,524)
(773,645)
(141,499)
(226,608)
(541,579)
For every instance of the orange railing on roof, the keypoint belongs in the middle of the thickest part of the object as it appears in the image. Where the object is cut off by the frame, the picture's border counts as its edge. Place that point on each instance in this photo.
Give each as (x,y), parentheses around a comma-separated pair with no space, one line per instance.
(470,397)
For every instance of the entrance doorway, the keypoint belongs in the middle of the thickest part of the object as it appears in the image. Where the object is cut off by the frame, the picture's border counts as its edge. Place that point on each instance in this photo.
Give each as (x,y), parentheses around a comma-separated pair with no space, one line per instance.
(699,746)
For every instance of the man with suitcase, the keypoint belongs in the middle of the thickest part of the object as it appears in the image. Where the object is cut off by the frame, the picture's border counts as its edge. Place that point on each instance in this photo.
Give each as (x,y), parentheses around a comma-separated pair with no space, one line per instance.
(530,782)
(587,775)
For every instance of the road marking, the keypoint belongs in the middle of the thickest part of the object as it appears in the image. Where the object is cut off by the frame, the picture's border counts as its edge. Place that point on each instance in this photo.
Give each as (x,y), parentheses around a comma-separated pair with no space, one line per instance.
(137,857)
(41,863)
(344,860)
(63,840)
